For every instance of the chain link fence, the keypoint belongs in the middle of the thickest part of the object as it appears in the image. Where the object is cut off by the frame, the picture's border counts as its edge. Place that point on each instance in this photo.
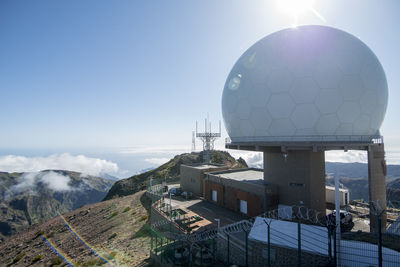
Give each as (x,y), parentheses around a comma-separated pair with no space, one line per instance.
(295,236)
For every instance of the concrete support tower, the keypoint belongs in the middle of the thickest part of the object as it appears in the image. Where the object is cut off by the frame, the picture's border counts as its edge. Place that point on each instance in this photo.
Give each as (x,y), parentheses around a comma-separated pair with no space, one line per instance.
(300,177)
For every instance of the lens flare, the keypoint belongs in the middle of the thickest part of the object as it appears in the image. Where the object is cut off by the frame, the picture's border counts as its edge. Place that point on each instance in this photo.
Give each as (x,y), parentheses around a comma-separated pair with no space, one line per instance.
(295,7)
(58,251)
(95,251)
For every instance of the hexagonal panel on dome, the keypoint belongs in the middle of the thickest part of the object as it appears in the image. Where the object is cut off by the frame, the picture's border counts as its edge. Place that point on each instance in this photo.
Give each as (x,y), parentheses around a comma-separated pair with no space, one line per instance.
(259,95)
(368,102)
(327,124)
(231,102)
(351,87)
(305,116)
(327,75)
(328,101)
(345,129)
(349,112)
(371,77)
(243,108)
(282,127)
(246,128)
(304,90)
(280,81)
(362,125)
(351,61)
(280,105)
(309,81)
(260,119)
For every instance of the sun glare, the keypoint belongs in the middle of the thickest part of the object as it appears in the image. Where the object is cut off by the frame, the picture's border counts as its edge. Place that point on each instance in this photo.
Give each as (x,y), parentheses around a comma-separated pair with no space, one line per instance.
(297,8)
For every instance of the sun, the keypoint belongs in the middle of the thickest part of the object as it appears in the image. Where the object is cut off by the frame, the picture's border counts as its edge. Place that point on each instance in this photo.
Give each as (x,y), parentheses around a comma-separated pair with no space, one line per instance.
(297,8)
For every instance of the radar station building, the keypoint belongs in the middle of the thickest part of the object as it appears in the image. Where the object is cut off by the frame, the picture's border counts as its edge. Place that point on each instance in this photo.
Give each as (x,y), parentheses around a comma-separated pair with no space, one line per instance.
(192,176)
(241,190)
(297,93)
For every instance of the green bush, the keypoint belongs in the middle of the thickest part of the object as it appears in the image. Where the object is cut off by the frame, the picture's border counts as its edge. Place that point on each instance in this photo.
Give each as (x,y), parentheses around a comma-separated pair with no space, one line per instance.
(56,261)
(111,256)
(40,233)
(113,236)
(127,209)
(115,213)
(95,262)
(37,258)
(18,257)
(143,217)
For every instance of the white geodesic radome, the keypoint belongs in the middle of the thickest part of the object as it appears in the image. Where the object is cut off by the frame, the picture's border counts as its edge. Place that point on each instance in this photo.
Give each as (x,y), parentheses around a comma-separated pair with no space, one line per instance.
(311,83)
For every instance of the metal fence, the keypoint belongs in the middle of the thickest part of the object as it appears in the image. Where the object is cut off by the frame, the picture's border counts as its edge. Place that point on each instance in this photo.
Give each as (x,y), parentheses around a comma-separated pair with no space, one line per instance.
(291,237)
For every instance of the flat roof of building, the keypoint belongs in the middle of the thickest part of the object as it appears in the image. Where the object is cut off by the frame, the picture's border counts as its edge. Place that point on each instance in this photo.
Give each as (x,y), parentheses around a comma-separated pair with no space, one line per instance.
(203,166)
(333,188)
(248,174)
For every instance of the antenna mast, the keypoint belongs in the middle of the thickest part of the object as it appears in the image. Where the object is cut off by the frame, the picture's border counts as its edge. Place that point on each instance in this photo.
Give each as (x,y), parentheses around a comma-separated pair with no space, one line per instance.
(194,140)
(208,138)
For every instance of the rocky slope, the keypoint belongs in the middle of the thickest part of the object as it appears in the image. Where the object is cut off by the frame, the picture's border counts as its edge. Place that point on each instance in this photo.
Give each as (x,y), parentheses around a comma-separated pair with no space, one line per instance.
(116,230)
(30,198)
(170,170)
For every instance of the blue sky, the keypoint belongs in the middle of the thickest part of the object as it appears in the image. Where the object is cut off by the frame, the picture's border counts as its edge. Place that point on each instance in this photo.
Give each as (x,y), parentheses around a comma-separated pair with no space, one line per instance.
(94,76)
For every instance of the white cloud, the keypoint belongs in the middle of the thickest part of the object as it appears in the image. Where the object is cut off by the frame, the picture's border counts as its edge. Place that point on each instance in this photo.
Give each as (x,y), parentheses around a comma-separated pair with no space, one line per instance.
(56,181)
(350,156)
(156,150)
(79,163)
(157,161)
(253,159)
(28,182)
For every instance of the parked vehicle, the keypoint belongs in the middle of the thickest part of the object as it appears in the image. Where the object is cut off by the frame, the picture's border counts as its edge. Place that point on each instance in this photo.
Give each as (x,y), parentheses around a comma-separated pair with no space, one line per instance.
(346,220)
(175,191)
(187,195)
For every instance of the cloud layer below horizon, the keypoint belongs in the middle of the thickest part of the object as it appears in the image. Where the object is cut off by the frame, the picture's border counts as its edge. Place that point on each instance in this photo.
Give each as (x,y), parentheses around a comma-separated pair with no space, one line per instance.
(65,161)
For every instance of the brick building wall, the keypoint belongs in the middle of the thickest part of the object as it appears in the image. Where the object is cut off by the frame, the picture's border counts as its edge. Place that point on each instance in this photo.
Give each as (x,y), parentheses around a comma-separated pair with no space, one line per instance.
(233,195)
(209,186)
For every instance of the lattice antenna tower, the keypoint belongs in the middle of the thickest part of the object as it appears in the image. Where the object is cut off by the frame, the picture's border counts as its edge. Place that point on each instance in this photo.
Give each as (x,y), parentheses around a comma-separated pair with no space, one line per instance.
(193,141)
(208,138)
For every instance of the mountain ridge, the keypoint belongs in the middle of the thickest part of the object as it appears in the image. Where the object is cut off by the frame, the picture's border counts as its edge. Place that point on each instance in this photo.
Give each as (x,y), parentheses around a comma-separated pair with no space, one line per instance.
(32,197)
(170,170)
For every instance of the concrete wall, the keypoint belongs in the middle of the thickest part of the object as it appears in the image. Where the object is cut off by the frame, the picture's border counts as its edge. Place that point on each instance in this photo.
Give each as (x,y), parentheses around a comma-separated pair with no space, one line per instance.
(254,202)
(192,180)
(209,186)
(281,256)
(300,177)
(260,197)
(330,195)
(192,177)
(377,184)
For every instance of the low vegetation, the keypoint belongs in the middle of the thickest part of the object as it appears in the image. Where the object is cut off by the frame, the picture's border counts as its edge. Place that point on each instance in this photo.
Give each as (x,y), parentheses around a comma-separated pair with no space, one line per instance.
(115,213)
(56,261)
(18,257)
(37,258)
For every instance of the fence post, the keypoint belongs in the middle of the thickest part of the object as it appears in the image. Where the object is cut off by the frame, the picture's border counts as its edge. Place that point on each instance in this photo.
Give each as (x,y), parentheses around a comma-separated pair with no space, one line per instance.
(329,244)
(201,255)
(214,248)
(228,251)
(151,240)
(334,248)
(380,241)
(269,244)
(161,249)
(299,242)
(247,248)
